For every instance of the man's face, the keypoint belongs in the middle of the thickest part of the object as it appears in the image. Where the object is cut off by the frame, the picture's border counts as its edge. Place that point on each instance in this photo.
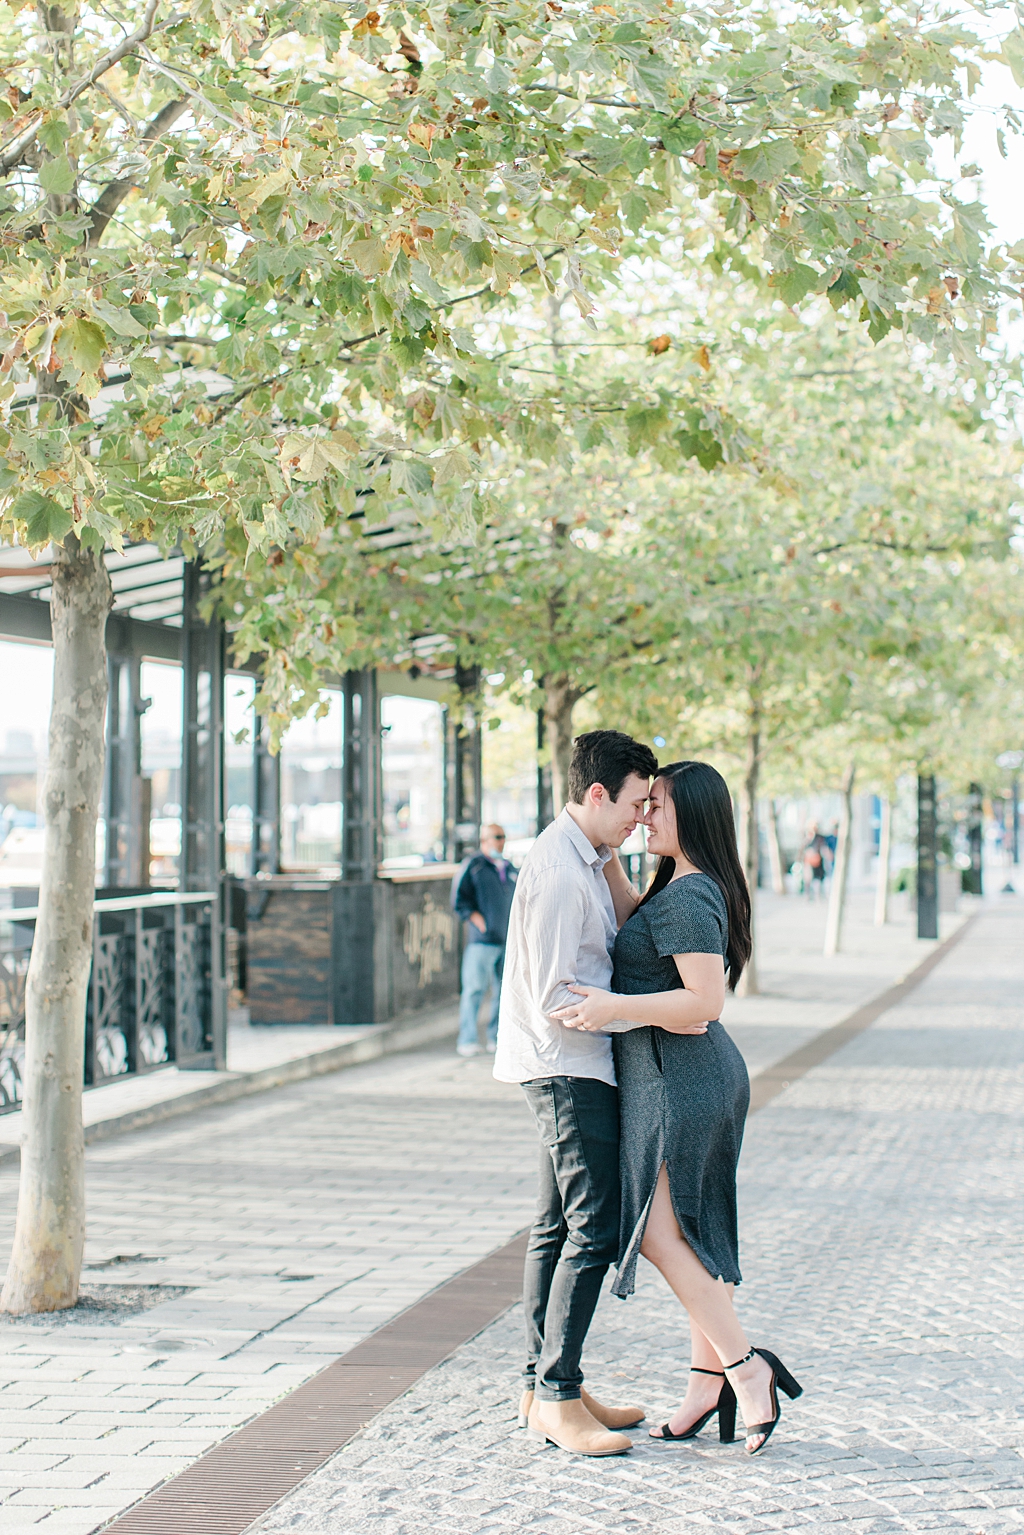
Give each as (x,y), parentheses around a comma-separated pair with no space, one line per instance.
(617,818)
(492,841)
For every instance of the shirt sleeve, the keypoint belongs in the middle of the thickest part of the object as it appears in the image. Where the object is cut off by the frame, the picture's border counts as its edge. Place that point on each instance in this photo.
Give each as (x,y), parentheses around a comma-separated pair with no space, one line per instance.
(553,918)
(465,901)
(693,921)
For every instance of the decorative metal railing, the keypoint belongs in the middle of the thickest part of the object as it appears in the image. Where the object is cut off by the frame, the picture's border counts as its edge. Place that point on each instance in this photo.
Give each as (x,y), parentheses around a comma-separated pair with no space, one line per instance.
(150,994)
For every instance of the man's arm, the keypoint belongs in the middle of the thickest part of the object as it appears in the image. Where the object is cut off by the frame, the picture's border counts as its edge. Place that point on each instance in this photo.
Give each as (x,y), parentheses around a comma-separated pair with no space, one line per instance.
(466,901)
(624,897)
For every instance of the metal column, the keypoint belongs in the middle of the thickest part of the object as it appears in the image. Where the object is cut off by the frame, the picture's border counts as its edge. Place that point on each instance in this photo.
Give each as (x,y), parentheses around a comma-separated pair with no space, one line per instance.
(927,859)
(361,791)
(266,804)
(464,768)
(202,806)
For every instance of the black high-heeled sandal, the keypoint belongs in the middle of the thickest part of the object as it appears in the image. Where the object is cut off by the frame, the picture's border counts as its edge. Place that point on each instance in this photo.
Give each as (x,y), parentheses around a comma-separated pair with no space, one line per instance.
(782,1379)
(725,1408)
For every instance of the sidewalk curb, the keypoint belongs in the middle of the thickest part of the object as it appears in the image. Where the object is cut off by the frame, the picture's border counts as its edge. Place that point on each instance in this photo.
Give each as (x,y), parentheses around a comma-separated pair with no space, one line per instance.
(387,1039)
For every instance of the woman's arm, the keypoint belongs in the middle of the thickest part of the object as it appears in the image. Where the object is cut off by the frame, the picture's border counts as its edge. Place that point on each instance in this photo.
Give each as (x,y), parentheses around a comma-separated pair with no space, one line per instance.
(624,897)
(687,1010)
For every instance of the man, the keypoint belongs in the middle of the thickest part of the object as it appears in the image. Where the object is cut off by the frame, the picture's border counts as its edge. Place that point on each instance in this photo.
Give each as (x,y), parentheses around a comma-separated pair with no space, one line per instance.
(483,896)
(561,930)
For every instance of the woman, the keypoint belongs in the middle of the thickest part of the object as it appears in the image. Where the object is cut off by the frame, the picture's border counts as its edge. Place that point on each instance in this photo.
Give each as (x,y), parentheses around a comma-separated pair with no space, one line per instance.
(683,1091)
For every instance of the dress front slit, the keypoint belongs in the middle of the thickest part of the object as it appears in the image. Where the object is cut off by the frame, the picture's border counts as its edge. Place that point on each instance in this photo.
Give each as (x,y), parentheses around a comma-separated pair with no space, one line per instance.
(683,1098)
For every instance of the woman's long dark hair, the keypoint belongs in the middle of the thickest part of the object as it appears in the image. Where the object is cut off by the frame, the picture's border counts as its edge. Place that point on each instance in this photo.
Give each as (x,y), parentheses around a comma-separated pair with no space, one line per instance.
(707,835)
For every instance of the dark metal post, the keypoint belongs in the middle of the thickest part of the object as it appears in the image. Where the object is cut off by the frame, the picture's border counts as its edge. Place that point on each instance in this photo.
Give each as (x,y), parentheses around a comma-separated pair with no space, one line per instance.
(202,802)
(361,778)
(266,804)
(545,800)
(927,859)
(122,790)
(972,877)
(464,768)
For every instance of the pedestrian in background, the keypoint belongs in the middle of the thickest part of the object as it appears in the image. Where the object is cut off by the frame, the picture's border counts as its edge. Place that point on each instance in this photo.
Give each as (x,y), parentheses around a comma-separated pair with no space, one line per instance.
(482,898)
(815,860)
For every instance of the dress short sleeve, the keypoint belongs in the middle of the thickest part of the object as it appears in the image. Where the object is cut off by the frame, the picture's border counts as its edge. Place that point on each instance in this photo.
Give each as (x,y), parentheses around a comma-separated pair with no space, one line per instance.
(689,917)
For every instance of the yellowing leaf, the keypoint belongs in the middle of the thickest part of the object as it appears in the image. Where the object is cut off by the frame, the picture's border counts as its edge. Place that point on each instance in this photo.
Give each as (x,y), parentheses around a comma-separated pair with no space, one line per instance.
(82,343)
(453,466)
(369,256)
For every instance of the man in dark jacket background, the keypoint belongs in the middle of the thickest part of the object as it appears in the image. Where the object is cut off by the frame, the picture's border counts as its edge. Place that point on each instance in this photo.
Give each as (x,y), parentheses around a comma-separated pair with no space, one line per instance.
(482,898)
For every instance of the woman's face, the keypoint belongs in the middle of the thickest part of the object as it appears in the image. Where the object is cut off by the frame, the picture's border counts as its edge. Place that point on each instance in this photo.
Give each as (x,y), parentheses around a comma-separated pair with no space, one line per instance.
(660,821)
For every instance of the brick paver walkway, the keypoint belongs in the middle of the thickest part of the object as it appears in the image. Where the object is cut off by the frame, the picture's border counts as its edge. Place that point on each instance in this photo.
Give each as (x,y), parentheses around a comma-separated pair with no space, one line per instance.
(881,1220)
(295,1223)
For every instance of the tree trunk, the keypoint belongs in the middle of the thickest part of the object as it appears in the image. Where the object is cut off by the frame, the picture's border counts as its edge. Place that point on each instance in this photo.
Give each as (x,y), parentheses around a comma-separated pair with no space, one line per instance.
(560,698)
(750,849)
(49,1234)
(841,869)
(882,878)
(775,849)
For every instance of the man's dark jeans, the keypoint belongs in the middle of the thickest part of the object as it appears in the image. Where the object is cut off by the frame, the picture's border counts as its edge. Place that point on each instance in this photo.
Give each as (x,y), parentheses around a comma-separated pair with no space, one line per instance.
(576,1233)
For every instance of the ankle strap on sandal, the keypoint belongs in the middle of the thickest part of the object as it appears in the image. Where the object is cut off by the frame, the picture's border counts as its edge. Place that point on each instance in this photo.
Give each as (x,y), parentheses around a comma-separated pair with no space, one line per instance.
(696,1370)
(747,1356)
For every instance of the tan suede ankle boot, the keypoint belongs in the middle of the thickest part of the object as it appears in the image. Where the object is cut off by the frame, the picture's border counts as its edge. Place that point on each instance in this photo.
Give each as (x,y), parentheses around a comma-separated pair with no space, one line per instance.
(571,1427)
(610,1417)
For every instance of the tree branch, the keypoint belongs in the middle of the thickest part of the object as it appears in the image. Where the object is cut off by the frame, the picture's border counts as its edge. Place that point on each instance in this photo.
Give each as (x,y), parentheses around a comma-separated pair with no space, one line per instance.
(115,192)
(14,152)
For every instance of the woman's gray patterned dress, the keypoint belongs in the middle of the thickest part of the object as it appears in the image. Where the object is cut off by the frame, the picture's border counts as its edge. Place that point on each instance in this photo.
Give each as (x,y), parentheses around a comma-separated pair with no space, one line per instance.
(683,1098)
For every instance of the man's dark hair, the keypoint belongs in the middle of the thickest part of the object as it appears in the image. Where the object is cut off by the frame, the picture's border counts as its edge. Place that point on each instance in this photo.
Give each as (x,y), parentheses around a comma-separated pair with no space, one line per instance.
(607,757)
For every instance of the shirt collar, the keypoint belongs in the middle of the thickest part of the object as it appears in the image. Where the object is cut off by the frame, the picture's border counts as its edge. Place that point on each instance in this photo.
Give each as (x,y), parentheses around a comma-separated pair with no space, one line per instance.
(595,856)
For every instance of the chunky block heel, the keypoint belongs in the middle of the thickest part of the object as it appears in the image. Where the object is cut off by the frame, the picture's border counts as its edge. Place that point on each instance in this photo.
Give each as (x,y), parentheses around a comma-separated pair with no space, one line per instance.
(781,1380)
(725,1407)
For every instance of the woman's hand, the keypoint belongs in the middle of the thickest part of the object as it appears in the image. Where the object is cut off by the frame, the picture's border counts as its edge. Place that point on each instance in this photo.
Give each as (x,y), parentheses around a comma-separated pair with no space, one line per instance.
(596,1009)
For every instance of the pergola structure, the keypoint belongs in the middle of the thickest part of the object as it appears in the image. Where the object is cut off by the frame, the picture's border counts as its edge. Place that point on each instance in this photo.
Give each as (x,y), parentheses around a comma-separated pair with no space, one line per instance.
(157,615)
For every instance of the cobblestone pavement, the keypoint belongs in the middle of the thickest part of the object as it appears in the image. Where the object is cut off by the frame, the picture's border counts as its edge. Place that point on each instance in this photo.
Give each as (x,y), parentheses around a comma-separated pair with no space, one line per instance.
(294,1224)
(881,1223)
(299,1221)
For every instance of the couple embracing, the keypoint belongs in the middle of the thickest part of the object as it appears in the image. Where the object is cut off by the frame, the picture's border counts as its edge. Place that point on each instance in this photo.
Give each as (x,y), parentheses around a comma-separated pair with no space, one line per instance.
(639,1142)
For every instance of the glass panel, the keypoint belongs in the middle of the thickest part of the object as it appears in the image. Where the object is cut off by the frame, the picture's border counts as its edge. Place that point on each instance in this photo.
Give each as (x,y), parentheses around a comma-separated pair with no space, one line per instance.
(27,672)
(239,760)
(412,761)
(311,790)
(161,683)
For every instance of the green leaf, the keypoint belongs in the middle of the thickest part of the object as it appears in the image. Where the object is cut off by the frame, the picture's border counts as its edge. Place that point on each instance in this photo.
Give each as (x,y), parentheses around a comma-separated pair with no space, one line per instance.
(57,176)
(47,521)
(82,343)
(634,211)
(843,289)
(53,135)
(118,320)
(765,162)
(681,134)
(1013,53)
(793,283)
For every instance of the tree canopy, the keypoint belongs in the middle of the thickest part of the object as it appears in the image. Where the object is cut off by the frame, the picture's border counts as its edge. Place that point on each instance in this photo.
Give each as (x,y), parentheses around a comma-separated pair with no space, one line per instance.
(278,240)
